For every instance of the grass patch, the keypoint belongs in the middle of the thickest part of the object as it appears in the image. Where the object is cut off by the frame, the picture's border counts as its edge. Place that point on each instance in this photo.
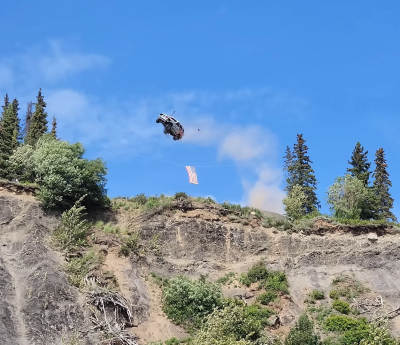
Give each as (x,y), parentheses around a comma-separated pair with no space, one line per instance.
(78,268)
(131,244)
(267,297)
(227,278)
(347,287)
(269,280)
(341,306)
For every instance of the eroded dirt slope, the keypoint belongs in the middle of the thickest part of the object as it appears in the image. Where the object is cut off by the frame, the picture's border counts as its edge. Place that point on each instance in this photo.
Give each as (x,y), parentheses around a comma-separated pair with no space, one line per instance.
(202,241)
(37,304)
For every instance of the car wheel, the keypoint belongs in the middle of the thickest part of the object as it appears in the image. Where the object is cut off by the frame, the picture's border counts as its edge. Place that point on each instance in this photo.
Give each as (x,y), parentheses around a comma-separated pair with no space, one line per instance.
(158,121)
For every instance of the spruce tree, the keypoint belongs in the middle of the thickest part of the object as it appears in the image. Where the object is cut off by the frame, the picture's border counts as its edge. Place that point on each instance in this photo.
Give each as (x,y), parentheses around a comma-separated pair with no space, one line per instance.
(54,126)
(6,103)
(381,186)
(17,131)
(360,165)
(9,129)
(28,117)
(288,159)
(301,173)
(38,122)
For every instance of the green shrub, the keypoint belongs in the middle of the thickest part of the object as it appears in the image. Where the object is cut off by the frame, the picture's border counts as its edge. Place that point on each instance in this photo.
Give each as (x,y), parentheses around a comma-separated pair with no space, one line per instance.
(257,273)
(62,173)
(78,268)
(187,301)
(226,278)
(233,324)
(172,341)
(339,323)
(266,297)
(341,306)
(139,199)
(131,244)
(334,294)
(317,295)
(378,333)
(277,281)
(73,229)
(181,195)
(303,333)
(270,280)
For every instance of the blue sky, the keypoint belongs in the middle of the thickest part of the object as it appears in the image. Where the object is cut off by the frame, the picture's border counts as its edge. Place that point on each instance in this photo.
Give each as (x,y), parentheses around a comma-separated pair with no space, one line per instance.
(250,75)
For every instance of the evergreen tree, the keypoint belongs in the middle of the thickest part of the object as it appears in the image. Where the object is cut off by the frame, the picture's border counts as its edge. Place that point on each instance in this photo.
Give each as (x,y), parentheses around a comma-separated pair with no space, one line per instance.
(9,129)
(360,165)
(54,124)
(38,122)
(17,136)
(288,159)
(6,103)
(300,173)
(28,117)
(381,186)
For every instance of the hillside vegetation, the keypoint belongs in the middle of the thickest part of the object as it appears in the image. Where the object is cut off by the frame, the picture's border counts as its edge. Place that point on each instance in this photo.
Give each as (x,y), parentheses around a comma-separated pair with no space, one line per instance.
(180,269)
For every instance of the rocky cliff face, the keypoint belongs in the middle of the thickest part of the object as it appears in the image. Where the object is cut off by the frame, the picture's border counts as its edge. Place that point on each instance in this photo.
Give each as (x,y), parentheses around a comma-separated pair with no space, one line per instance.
(38,306)
(36,302)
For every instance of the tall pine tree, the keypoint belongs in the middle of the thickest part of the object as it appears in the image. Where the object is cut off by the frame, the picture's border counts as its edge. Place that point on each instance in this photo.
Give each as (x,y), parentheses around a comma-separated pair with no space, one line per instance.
(6,103)
(288,159)
(9,135)
(360,164)
(28,117)
(300,172)
(17,136)
(54,127)
(381,186)
(38,122)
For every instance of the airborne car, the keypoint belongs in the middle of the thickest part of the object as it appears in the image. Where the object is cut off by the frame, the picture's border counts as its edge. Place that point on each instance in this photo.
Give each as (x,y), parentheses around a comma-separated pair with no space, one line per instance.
(171,126)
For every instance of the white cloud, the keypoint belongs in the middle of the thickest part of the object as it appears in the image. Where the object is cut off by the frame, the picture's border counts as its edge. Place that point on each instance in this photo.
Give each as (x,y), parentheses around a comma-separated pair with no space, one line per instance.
(45,65)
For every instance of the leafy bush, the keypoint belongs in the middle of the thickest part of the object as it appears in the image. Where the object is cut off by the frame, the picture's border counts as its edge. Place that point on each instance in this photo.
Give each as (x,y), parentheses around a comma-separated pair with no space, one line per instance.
(294,202)
(302,333)
(257,273)
(339,323)
(187,301)
(139,199)
(341,306)
(78,268)
(317,295)
(266,297)
(226,278)
(270,280)
(130,244)
(233,324)
(181,195)
(348,198)
(72,230)
(62,173)
(378,334)
(277,281)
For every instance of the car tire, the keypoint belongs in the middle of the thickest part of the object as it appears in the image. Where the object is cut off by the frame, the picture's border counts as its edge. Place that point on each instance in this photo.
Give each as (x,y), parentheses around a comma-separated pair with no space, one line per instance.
(158,121)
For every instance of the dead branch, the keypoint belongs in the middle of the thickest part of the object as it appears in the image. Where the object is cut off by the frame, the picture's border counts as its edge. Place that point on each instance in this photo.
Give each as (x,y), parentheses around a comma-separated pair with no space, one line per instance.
(116,311)
(397,310)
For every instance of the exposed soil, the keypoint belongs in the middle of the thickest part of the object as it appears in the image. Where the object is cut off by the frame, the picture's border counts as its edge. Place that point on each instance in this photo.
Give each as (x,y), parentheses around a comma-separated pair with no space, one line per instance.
(37,305)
